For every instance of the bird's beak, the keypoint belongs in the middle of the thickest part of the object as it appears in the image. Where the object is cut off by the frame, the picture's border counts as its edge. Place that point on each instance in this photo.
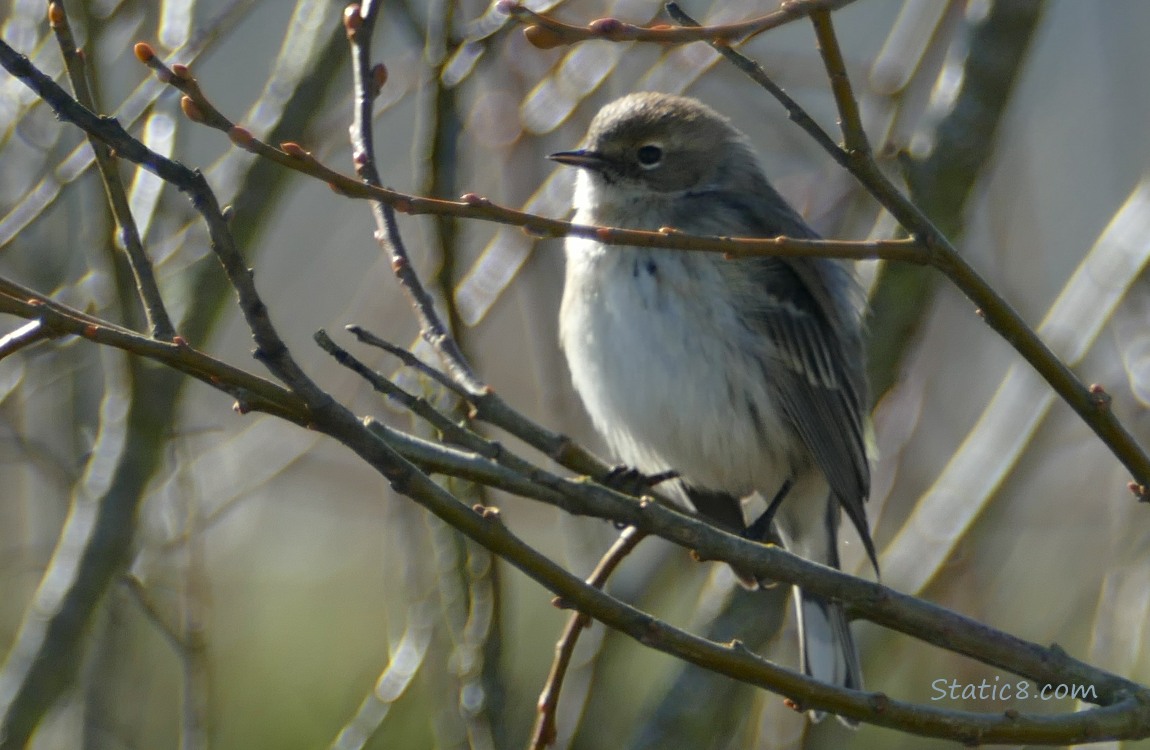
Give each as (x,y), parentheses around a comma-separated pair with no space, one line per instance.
(582,158)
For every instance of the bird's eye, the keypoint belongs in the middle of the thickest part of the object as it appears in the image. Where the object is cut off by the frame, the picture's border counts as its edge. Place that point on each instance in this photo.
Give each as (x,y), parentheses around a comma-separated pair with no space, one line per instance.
(650,155)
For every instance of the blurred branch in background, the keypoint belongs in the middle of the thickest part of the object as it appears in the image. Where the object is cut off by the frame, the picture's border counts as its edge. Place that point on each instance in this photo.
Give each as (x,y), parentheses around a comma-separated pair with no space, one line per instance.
(940,182)
(449,636)
(95,545)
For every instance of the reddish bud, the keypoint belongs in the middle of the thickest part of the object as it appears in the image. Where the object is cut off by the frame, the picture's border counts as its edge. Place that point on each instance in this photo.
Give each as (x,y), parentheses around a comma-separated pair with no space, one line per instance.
(472,199)
(56,15)
(181,71)
(91,330)
(402,205)
(191,110)
(179,341)
(144,52)
(242,137)
(542,38)
(352,20)
(294,150)
(378,78)
(606,26)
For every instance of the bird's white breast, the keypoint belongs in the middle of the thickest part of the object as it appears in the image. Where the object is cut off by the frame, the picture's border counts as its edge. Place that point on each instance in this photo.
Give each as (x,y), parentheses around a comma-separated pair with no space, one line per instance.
(667,371)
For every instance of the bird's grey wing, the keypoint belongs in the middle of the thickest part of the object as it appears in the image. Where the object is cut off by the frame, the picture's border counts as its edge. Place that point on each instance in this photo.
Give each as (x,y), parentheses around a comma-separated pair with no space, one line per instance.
(803,308)
(818,394)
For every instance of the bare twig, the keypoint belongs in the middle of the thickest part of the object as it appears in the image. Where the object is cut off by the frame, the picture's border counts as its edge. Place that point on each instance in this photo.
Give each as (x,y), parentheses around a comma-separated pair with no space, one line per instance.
(296,157)
(270,348)
(995,310)
(490,408)
(158,321)
(546,32)
(251,392)
(23,337)
(435,332)
(544,733)
(407,358)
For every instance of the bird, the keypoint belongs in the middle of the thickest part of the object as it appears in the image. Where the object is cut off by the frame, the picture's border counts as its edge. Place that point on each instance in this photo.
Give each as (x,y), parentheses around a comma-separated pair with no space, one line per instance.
(743,375)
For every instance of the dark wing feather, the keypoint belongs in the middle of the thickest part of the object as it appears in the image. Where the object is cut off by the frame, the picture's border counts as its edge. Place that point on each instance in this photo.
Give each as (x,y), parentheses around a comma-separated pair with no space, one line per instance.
(818,375)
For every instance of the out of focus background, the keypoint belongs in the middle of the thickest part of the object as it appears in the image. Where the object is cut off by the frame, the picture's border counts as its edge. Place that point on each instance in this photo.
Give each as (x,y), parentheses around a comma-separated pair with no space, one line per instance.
(279,595)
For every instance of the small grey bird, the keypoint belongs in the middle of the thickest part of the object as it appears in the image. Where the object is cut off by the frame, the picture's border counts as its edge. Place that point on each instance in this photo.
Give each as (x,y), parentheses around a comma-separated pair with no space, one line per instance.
(743,375)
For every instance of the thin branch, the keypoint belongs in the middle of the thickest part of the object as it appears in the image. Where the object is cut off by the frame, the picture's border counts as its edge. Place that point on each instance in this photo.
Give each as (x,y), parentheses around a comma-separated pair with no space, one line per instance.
(23,337)
(252,393)
(854,136)
(487,404)
(544,733)
(435,332)
(148,290)
(490,408)
(991,307)
(296,157)
(752,69)
(270,348)
(942,184)
(407,358)
(546,32)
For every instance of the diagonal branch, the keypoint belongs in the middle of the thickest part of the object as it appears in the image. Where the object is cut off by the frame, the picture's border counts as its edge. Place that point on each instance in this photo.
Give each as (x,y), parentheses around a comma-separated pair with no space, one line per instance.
(990,305)
(159,323)
(544,733)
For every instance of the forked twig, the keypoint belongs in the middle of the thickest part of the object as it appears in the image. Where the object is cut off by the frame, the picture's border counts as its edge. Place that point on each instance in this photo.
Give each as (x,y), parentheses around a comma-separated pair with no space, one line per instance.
(544,733)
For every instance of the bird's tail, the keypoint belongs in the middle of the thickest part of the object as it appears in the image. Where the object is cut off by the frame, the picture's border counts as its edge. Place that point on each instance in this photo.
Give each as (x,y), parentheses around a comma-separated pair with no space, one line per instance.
(828,649)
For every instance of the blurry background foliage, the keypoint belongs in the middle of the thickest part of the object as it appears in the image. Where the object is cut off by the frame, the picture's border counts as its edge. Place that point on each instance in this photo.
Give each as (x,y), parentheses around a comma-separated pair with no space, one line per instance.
(289,575)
